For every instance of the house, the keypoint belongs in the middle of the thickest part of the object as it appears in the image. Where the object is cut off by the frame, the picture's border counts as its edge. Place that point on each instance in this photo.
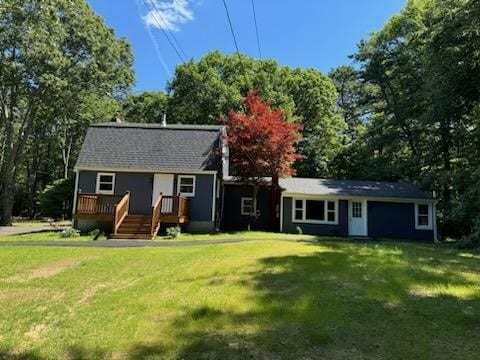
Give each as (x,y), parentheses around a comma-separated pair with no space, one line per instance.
(130,178)
(133,178)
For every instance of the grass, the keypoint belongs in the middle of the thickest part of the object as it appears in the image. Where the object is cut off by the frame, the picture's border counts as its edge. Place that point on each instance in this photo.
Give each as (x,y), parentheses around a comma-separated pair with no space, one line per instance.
(258,299)
(43,236)
(18,222)
(249,235)
(55,236)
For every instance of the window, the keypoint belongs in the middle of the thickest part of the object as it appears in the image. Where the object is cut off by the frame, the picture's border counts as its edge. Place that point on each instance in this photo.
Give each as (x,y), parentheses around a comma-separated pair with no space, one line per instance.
(356,209)
(186,185)
(298,211)
(247,206)
(423,217)
(314,211)
(105,183)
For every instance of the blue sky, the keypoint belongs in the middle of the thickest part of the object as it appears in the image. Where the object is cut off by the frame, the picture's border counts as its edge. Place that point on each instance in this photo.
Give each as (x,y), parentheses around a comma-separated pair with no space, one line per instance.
(298,33)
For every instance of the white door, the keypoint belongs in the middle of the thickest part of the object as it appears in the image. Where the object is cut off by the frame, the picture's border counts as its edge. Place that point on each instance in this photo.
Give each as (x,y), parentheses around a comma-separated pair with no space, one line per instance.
(162,183)
(357,218)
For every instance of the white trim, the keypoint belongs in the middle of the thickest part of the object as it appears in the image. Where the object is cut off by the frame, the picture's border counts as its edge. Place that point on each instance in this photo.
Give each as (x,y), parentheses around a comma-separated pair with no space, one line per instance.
(74,207)
(304,219)
(349,197)
(214,196)
(281,212)
(97,185)
(179,183)
(140,170)
(225,154)
(254,206)
(423,227)
(434,219)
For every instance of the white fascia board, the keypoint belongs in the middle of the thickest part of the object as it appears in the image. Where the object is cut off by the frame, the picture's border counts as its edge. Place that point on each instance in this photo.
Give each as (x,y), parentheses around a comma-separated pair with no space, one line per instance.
(349,197)
(156,171)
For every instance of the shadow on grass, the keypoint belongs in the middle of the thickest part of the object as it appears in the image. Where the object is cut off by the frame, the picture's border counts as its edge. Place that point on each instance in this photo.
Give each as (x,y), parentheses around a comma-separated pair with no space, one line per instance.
(344,301)
(354,302)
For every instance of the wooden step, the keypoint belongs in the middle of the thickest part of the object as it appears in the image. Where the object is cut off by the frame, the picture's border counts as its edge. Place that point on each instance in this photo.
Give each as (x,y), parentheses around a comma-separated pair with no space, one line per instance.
(133,236)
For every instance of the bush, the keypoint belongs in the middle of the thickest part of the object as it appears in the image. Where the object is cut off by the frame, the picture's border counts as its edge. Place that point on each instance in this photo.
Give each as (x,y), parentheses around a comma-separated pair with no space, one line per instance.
(173,232)
(56,200)
(69,233)
(471,241)
(95,234)
(299,230)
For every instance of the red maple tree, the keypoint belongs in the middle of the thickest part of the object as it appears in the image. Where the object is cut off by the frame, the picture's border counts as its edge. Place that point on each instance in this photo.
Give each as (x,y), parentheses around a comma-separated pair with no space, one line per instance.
(261,143)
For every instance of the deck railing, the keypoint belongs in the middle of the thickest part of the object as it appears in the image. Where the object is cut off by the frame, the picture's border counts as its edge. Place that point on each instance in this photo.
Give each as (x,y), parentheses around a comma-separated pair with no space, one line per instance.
(121,211)
(156,212)
(102,204)
(174,205)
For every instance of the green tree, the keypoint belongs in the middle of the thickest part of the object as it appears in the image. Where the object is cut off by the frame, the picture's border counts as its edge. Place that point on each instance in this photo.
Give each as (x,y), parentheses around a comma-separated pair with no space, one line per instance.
(422,70)
(56,199)
(145,107)
(204,91)
(54,56)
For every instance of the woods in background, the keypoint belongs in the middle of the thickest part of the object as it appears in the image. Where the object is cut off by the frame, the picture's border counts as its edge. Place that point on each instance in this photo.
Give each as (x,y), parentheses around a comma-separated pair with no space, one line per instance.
(409,108)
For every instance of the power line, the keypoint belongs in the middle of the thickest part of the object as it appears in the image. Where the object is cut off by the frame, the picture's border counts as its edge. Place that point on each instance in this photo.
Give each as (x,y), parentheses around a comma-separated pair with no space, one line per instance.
(155,18)
(154,41)
(159,12)
(256,28)
(235,39)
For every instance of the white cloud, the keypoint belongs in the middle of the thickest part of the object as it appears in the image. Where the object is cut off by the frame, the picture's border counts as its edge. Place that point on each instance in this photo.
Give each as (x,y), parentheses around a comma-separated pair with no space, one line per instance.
(168,15)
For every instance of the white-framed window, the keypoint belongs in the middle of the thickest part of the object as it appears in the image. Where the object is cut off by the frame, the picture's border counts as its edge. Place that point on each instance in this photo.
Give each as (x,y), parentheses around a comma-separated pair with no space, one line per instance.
(186,185)
(247,206)
(105,183)
(423,216)
(315,211)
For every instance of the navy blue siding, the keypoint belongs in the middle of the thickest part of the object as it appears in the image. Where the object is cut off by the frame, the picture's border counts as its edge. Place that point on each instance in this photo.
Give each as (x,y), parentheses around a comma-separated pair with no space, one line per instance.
(233,220)
(200,206)
(316,229)
(394,220)
(140,186)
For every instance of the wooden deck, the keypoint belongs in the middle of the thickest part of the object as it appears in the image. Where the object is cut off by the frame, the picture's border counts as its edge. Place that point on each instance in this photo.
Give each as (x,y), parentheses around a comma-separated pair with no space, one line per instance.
(171,209)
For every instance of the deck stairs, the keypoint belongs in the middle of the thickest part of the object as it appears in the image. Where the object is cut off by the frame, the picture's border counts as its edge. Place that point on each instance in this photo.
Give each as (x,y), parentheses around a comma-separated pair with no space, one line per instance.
(136,227)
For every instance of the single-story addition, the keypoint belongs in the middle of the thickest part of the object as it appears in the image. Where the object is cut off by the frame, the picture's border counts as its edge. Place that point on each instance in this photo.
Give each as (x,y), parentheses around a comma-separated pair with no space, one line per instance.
(133,178)
(357,208)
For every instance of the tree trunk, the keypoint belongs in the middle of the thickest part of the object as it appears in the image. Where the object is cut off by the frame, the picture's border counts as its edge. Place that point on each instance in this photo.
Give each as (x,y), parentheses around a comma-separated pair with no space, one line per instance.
(275,204)
(253,214)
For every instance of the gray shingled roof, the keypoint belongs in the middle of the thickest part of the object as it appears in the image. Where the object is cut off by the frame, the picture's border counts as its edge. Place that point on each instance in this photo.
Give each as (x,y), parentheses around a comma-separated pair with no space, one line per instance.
(150,147)
(352,188)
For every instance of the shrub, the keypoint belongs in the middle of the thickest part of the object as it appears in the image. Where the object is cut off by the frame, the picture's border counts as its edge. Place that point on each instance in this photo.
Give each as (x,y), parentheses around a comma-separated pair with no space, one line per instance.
(56,199)
(95,234)
(173,232)
(69,233)
(471,241)
(299,230)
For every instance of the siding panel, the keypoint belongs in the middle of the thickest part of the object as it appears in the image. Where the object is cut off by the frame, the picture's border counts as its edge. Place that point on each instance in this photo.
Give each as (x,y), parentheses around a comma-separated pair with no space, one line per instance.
(394,220)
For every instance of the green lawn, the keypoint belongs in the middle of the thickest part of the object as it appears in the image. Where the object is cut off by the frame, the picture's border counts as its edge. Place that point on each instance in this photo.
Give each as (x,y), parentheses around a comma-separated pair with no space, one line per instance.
(263,235)
(43,236)
(258,299)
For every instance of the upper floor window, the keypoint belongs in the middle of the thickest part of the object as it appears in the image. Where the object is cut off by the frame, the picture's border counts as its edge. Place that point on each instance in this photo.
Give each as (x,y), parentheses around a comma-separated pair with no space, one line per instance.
(105,183)
(423,216)
(186,185)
